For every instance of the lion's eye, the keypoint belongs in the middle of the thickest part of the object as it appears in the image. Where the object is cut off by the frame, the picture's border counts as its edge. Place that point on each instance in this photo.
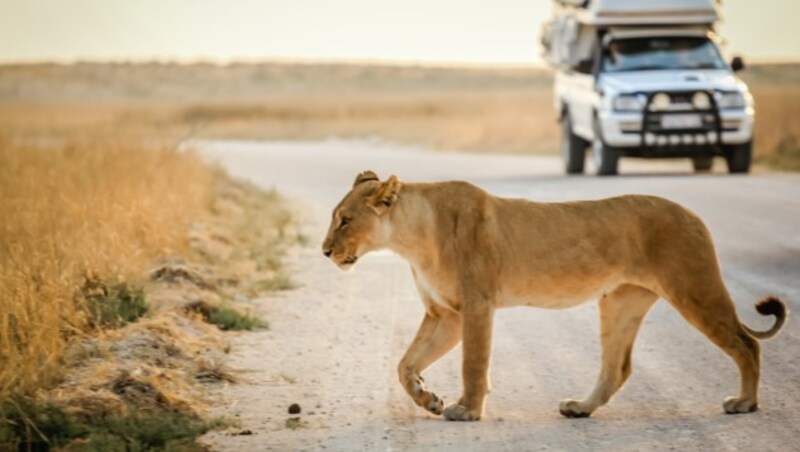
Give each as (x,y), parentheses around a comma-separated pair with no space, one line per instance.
(344,223)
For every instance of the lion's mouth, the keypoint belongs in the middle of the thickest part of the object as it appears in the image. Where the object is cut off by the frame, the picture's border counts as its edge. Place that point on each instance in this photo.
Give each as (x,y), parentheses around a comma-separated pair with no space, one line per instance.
(344,260)
(346,263)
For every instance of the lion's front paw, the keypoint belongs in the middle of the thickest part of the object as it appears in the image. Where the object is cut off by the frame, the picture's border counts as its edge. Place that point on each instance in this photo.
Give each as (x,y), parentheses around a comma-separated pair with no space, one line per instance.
(733,405)
(573,409)
(434,404)
(425,398)
(457,412)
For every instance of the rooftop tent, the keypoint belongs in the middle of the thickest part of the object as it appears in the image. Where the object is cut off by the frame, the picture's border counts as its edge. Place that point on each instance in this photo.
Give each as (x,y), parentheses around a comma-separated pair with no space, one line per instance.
(640,12)
(577,3)
(568,37)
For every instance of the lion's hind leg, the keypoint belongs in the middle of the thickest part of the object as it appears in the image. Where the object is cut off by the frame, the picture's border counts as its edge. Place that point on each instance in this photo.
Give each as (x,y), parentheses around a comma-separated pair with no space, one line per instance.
(715,316)
(621,314)
(437,335)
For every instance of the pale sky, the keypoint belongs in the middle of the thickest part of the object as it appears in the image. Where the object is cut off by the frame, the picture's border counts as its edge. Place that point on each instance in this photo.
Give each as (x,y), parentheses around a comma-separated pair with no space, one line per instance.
(448,31)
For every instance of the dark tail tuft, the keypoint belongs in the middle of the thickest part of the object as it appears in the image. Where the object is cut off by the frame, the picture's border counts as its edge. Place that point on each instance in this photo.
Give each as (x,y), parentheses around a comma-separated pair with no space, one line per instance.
(770,306)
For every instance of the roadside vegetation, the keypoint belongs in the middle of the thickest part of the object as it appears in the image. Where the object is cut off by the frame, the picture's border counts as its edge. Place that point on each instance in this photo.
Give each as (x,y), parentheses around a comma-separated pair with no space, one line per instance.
(778,126)
(50,427)
(476,109)
(106,250)
(76,221)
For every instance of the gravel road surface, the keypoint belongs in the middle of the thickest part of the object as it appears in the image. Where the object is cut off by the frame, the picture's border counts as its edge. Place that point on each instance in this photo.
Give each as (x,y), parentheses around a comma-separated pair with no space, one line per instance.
(334,342)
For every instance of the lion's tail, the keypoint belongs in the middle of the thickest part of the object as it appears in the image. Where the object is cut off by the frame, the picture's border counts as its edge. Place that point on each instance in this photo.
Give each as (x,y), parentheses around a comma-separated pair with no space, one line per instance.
(770,306)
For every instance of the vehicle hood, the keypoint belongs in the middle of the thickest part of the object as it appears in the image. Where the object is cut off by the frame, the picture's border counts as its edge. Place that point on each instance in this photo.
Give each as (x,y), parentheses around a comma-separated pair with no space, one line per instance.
(671,80)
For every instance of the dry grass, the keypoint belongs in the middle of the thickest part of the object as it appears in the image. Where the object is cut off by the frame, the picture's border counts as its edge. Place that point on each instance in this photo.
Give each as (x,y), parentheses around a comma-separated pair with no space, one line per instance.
(92,238)
(114,376)
(107,236)
(72,212)
(511,121)
(466,109)
(777,131)
(496,110)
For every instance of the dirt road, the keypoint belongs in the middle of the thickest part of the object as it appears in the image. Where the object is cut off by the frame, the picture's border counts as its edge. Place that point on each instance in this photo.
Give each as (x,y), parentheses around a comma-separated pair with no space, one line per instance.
(334,343)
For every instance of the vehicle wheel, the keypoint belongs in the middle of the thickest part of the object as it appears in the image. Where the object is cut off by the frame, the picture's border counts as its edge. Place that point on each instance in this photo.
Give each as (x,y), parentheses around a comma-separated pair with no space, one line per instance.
(739,157)
(702,164)
(573,147)
(606,158)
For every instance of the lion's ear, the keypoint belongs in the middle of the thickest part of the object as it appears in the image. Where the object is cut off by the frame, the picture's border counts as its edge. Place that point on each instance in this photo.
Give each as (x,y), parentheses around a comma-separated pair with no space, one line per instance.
(365,176)
(387,194)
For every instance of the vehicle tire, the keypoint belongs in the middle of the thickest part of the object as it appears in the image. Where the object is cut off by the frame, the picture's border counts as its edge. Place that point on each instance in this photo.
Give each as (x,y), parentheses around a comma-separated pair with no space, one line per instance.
(702,164)
(605,158)
(739,157)
(573,147)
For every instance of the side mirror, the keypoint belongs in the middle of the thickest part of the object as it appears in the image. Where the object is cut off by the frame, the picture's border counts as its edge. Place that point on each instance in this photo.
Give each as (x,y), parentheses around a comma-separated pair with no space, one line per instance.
(737,64)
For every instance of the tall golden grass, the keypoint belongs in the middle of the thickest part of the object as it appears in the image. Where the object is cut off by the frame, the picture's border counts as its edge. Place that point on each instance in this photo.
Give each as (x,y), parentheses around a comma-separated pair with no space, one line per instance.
(68,212)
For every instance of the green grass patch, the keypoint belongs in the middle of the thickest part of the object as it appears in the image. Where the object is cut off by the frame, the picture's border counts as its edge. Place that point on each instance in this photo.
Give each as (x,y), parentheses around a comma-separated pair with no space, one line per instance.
(228,318)
(27,426)
(112,305)
(280,282)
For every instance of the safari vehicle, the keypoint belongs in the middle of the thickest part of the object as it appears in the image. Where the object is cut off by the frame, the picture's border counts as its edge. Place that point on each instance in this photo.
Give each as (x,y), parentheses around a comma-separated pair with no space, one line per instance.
(646,78)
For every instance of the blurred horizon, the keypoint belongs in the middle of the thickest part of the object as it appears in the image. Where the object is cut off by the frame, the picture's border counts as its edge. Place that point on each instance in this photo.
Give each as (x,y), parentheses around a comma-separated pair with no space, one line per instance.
(442,33)
(538,65)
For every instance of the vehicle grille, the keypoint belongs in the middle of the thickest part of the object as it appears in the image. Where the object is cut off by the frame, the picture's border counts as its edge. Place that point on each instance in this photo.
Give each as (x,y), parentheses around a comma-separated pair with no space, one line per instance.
(655,120)
(705,132)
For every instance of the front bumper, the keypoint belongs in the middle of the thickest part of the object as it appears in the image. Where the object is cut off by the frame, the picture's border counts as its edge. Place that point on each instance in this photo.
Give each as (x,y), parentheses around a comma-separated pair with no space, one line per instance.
(624,132)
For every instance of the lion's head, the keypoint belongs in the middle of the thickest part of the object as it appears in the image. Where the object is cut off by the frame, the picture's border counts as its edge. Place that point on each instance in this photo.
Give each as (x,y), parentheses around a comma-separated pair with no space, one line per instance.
(358,223)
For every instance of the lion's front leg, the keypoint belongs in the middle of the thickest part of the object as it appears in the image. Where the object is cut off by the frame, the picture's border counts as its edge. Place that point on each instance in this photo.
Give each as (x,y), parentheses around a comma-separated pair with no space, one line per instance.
(438,334)
(477,331)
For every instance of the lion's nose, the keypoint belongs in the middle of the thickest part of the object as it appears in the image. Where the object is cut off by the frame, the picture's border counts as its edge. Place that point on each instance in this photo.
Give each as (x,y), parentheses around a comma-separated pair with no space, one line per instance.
(327,252)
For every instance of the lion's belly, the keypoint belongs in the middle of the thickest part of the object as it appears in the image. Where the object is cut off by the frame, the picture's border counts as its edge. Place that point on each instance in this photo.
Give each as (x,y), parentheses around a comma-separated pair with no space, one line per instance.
(544,292)
(551,300)
(556,294)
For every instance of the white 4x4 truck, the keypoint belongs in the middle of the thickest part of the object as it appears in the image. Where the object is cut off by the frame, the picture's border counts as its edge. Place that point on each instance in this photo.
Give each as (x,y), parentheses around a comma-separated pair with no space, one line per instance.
(646,78)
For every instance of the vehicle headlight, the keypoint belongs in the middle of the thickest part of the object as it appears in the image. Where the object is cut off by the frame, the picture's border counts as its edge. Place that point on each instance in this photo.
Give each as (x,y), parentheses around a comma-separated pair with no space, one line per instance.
(701,101)
(630,102)
(661,101)
(730,100)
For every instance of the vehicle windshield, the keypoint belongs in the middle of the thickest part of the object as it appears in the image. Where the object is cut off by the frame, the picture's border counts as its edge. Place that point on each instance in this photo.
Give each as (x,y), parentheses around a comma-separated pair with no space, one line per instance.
(676,52)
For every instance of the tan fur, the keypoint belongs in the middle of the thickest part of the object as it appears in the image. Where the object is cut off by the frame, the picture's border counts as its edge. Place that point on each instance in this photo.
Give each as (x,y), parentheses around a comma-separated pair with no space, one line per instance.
(472,253)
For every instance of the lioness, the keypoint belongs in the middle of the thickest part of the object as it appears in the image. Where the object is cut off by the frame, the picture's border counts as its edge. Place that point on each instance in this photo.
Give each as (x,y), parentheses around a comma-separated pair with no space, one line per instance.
(471,253)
